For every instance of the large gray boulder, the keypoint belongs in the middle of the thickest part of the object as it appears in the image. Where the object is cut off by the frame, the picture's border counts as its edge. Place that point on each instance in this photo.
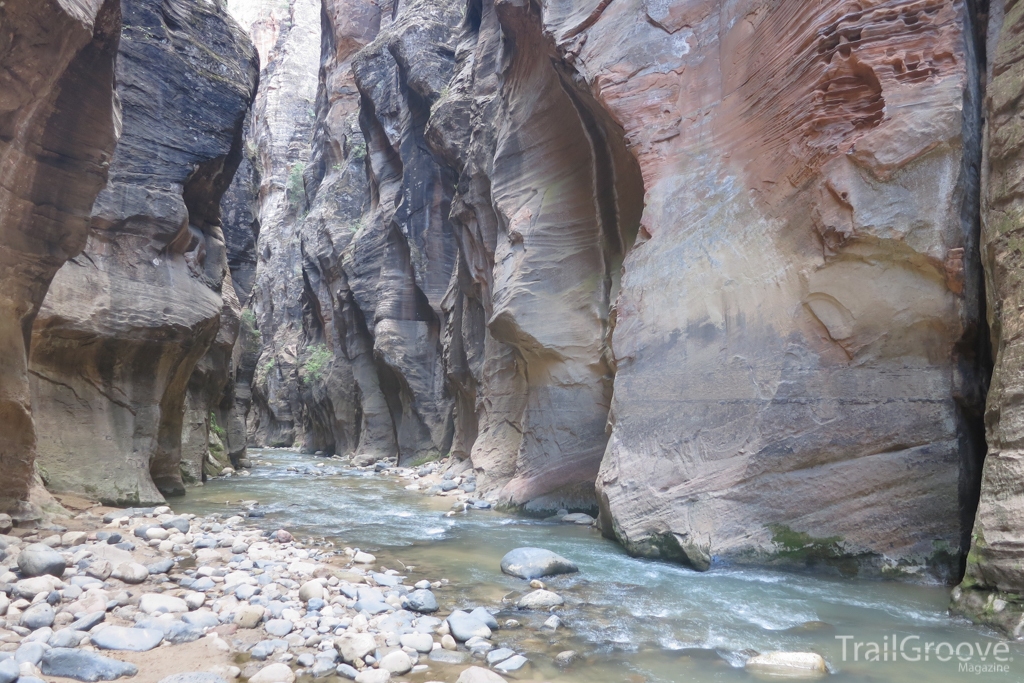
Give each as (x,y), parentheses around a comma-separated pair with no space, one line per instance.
(122,638)
(39,559)
(464,626)
(534,563)
(84,666)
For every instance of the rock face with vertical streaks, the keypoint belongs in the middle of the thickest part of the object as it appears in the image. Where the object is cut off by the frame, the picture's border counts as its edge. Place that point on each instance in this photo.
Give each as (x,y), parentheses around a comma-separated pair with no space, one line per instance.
(56,137)
(797,337)
(125,323)
(994,579)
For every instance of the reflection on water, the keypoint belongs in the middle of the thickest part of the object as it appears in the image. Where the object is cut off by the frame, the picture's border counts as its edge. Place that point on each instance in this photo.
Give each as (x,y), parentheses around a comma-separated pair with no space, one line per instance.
(633,620)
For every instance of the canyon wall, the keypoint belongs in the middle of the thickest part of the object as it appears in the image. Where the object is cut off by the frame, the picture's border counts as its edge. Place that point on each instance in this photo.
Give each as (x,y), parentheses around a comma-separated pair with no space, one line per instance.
(994,581)
(125,323)
(57,132)
(718,260)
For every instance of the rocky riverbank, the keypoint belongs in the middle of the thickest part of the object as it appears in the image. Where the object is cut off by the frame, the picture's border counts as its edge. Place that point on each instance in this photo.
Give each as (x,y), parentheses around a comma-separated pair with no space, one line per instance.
(147,594)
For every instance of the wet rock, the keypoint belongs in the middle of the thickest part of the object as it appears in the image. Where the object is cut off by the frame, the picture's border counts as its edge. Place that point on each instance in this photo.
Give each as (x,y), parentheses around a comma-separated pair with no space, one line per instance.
(499,655)
(476,674)
(486,617)
(6,523)
(346,671)
(363,558)
(273,673)
(130,639)
(552,623)
(282,536)
(443,656)
(788,663)
(447,642)
(540,599)
(37,616)
(566,657)
(180,524)
(38,559)
(463,626)
(84,666)
(422,600)
(511,664)
(535,563)
(397,662)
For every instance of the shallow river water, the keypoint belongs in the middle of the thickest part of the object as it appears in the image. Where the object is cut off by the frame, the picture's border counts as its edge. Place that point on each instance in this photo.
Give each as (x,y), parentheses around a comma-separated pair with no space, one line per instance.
(634,620)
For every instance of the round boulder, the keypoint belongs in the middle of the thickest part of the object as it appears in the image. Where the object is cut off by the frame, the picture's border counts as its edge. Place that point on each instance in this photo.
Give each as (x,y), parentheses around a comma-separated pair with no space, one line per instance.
(39,559)
(535,563)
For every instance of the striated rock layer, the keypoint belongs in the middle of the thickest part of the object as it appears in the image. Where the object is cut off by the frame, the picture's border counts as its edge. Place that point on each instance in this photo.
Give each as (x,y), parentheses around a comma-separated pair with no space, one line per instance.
(56,137)
(797,332)
(712,266)
(125,323)
(994,581)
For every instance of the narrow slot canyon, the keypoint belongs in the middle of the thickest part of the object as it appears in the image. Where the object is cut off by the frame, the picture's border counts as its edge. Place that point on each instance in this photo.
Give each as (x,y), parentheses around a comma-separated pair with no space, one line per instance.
(718,300)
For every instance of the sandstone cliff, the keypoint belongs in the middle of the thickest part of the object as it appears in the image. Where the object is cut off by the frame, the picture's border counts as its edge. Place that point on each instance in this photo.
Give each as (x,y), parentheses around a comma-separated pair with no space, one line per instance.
(717,260)
(995,579)
(57,119)
(125,323)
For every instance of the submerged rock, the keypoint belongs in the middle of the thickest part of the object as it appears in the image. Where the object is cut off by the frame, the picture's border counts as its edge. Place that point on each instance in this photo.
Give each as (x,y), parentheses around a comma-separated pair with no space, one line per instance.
(540,599)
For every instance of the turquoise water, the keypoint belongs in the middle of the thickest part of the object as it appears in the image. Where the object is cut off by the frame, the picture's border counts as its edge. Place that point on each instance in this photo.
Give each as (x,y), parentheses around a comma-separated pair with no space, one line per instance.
(632,620)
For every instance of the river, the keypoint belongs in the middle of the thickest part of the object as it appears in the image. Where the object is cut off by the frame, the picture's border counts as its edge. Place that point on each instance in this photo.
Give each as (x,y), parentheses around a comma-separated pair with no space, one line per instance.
(633,620)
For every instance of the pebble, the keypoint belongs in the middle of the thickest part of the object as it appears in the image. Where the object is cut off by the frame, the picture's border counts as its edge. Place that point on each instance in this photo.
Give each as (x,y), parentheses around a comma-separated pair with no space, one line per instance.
(37,616)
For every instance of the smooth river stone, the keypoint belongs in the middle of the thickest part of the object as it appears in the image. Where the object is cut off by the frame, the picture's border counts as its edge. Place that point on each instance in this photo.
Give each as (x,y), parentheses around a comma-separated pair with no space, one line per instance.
(540,599)
(123,638)
(535,563)
(464,626)
(38,559)
(84,666)
(476,674)
(422,600)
